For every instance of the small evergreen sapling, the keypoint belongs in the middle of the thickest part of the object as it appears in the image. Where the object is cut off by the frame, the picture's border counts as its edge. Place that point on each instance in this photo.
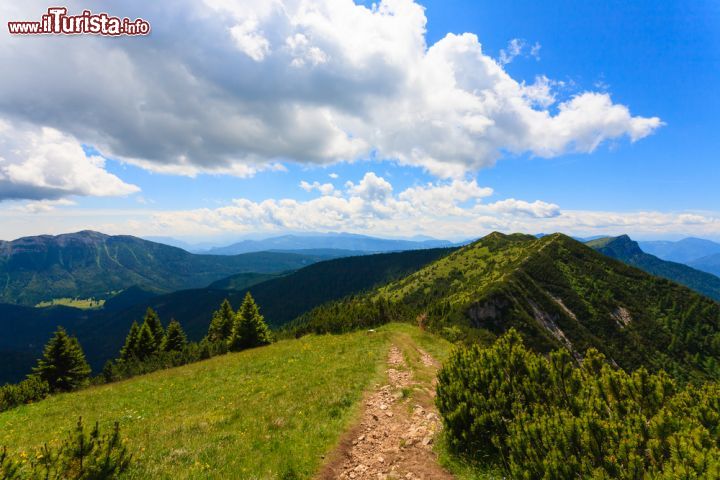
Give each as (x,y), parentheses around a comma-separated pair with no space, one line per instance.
(130,349)
(152,320)
(82,456)
(63,365)
(175,339)
(146,345)
(222,323)
(249,328)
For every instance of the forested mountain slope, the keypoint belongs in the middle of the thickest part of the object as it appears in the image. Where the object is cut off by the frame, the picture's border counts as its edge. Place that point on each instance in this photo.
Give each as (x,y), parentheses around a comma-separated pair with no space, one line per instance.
(93,265)
(557,292)
(628,251)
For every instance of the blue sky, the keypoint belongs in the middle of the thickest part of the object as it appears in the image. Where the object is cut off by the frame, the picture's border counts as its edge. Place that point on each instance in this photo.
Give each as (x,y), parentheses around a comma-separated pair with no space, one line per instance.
(657,59)
(660,58)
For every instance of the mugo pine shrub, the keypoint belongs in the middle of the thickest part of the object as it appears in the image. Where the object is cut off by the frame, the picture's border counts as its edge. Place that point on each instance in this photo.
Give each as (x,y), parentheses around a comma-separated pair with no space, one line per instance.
(82,456)
(550,418)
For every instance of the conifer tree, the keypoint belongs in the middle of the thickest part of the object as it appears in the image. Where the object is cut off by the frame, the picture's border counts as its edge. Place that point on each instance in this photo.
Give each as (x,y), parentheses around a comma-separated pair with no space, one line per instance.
(129,350)
(63,365)
(249,328)
(146,342)
(175,339)
(153,321)
(221,324)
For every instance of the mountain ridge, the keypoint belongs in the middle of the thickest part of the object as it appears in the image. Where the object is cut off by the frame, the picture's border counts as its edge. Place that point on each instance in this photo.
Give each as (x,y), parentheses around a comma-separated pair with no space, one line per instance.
(686,250)
(625,249)
(90,264)
(340,241)
(557,292)
(709,264)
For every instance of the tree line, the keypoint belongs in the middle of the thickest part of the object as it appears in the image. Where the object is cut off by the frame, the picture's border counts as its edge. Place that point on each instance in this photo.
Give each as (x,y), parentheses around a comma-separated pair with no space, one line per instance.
(148,347)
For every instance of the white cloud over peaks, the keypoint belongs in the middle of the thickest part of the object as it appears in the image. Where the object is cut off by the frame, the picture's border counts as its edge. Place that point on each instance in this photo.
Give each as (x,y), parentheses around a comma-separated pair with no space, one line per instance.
(43,163)
(536,209)
(445,208)
(323,188)
(243,85)
(43,206)
(455,209)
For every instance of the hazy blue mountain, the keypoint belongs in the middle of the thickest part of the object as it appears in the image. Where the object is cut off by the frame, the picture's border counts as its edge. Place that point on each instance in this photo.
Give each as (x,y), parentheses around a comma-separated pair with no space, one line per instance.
(91,264)
(189,246)
(337,241)
(685,251)
(626,250)
(710,264)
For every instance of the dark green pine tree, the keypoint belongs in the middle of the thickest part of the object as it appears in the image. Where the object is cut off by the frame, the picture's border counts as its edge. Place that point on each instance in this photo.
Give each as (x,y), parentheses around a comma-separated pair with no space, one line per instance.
(129,350)
(153,321)
(63,365)
(222,323)
(146,342)
(249,328)
(175,339)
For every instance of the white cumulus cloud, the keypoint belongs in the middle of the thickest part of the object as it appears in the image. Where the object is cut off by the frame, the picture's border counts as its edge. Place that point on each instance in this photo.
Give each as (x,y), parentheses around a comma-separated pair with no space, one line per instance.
(238,86)
(443,208)
(39,163)
(323,188)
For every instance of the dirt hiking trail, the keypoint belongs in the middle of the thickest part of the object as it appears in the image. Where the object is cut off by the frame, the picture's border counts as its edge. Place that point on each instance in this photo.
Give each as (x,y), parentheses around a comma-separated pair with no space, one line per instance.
(394,437)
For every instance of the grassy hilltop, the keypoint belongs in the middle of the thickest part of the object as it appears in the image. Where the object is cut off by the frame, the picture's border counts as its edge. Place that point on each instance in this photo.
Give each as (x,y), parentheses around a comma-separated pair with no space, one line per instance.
(271,412)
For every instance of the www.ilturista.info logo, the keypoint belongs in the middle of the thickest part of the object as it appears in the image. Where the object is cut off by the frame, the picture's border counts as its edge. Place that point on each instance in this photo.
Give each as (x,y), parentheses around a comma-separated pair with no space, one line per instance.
(58,22)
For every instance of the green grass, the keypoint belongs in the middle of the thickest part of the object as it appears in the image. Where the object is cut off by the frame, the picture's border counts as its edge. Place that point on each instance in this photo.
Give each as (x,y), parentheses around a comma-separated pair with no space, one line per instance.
(464,469)
(83,303)
(271,412)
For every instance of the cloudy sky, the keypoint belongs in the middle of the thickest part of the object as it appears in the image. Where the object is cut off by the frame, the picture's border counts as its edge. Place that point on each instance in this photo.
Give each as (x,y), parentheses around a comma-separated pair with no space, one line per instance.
(448,119)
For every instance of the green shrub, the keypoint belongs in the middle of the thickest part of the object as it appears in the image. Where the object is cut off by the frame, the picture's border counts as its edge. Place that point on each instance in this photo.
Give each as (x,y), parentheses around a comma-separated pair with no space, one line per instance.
(548,417)
(9,467)
(347,315)
(30,390)
(82,456)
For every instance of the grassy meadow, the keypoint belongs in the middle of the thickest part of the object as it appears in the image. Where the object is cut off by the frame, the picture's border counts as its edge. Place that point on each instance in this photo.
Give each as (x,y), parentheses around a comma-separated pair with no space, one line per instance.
(271,412)
(82,303)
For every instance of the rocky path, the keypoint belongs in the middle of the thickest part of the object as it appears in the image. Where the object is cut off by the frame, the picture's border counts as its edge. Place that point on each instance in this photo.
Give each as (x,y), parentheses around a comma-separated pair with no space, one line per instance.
(394,439)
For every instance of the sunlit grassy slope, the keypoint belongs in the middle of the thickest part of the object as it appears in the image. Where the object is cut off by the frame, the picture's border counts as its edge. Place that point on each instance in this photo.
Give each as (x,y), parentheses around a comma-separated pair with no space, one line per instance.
(83,303)
(271,412)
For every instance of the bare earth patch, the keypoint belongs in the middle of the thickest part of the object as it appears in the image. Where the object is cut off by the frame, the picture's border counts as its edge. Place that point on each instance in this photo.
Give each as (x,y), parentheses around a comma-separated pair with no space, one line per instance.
(394,439)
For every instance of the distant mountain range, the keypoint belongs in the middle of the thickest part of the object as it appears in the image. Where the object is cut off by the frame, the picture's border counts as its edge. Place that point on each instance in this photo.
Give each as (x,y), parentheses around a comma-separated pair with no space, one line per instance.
(94,265)
(628,251)
(698,253)
(710,264)
(686,251)
(336,241)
